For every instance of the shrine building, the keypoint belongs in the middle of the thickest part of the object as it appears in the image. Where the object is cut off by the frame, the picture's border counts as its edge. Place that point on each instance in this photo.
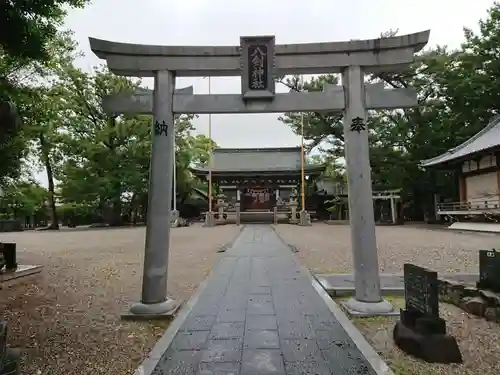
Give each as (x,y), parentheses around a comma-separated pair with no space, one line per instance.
(257,178)
(477,162)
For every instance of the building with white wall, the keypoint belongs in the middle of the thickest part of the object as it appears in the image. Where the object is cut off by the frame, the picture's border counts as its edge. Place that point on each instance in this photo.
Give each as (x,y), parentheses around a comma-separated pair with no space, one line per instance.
(477,161)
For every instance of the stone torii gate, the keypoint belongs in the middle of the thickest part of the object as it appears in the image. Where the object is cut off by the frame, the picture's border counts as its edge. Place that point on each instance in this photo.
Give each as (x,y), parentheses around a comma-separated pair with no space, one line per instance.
(258,60)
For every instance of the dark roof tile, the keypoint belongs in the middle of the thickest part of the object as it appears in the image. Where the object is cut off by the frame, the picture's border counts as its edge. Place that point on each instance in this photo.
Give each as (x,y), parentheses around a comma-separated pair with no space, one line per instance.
(487,138)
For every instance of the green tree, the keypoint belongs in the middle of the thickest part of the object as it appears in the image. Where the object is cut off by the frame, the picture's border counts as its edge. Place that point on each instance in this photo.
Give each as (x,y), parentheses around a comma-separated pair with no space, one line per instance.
(399,139)
(24,83)
(107,158)
(194,151)
(30,26)
(12,143)
(199,147)
(472,80)
(45,111)
(458,93)
(334,169)
(105,155)
(318,127)
(24,198)
(45,129)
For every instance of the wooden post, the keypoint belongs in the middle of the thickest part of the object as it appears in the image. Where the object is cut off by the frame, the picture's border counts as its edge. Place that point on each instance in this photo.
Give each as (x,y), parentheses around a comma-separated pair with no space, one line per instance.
(463,188)
(498,184)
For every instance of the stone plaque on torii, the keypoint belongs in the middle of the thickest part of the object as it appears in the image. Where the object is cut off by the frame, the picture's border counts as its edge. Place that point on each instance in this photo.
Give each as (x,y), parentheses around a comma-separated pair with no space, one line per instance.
(257,67)
(258,60)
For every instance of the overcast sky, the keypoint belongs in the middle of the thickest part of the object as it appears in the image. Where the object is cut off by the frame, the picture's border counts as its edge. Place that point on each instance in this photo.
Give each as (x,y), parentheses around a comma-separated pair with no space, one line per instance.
(222,22)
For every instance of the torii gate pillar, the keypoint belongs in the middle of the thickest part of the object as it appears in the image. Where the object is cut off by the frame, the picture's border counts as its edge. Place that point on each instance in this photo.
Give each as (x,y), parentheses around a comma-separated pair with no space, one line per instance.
(367,298)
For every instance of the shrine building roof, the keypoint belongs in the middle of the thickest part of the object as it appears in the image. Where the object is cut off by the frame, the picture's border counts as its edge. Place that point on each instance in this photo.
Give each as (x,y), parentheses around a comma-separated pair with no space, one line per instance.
(483,141)
(241,160)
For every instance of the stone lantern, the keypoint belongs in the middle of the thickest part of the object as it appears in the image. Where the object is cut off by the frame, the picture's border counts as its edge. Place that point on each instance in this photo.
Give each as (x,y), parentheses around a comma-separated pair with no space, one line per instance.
(293,204)
(221,206)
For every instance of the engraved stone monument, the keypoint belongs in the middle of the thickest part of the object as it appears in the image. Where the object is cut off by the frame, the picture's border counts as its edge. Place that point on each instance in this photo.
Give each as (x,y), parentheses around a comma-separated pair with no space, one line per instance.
(8,253)
(420,331)
(489,270)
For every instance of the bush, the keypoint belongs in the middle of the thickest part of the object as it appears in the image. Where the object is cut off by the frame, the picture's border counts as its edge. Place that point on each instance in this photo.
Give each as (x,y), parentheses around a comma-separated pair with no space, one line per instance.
(78,214)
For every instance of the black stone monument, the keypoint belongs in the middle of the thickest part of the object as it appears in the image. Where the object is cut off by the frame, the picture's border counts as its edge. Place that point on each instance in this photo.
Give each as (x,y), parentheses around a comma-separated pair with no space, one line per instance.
(420,331)
(489,270)
(10,359)
(8,256)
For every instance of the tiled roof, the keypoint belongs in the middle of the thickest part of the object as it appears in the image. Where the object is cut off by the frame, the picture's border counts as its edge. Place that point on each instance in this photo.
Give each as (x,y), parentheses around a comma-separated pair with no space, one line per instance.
(285,159)
(486,139)
(255,159)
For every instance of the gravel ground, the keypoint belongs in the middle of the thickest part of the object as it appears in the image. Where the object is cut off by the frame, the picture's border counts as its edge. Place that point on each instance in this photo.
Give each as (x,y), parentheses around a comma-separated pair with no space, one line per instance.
(67,319)
(326,249)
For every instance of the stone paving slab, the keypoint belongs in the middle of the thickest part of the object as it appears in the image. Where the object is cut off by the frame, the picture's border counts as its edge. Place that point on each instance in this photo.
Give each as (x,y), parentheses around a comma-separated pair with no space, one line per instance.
(342,284)
(260,315)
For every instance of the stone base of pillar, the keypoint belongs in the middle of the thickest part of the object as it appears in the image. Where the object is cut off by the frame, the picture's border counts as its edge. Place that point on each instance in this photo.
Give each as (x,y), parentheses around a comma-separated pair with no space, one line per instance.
(304,219)
(146,311)
(367,309)
(174,219)
(209,219)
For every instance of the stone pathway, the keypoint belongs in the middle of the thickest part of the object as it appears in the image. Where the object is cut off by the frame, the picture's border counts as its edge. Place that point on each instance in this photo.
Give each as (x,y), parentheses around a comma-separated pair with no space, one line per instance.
(260,315)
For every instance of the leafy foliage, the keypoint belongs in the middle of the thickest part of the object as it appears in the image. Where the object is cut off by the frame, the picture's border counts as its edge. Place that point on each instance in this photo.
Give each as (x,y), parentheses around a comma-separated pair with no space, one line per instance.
(31,26)
(318,127)
(458,94)
(23,198)
(24,82)
(106,158)
(100,163)
(92,160)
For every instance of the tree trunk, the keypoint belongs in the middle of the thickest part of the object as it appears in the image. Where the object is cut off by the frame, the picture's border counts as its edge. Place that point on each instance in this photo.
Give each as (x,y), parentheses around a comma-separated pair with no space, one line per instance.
(50,177)
(144,208)
(133,209)
(116,213)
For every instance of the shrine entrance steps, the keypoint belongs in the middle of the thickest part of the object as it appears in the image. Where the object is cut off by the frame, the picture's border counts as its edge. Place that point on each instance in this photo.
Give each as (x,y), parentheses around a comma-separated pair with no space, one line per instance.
(259,313)
(262,217)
